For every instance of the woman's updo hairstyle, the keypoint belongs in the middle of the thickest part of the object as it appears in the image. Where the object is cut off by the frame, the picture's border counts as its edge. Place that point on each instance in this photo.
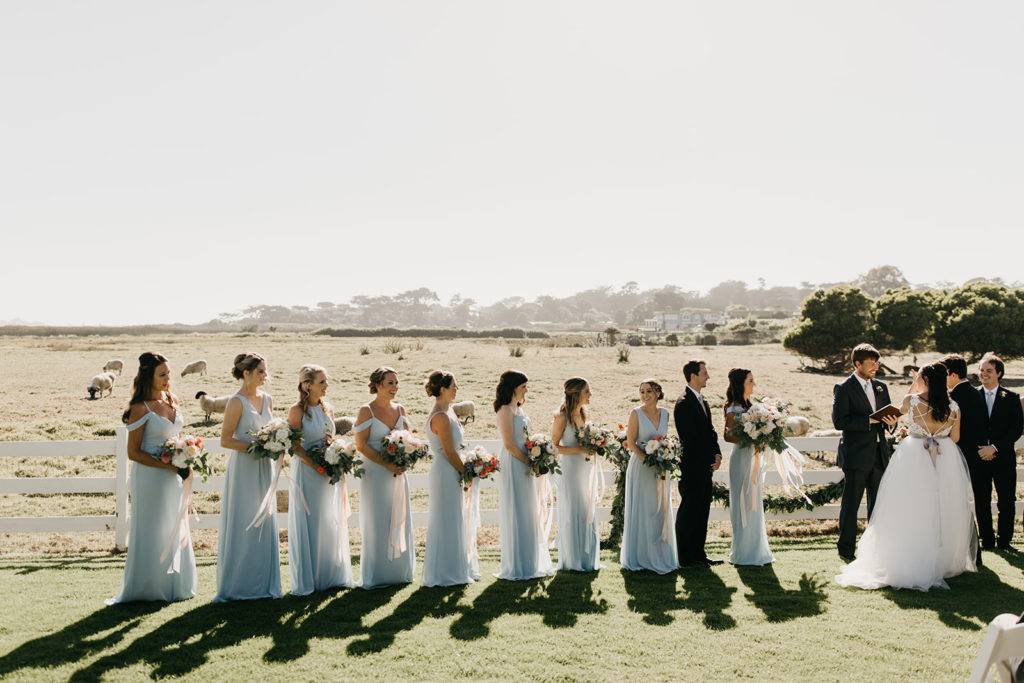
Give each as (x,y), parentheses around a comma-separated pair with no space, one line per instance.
(378,375)
(307,374)
(573,389)
(734,394)
(938,395)
(245,362)
(656,385)
(438,380)
(143,382)
(509,381)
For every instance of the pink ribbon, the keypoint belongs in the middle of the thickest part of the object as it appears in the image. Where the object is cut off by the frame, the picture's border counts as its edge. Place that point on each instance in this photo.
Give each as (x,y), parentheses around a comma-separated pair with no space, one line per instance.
(181,533)
(665,508)
(396,534)
(471,518)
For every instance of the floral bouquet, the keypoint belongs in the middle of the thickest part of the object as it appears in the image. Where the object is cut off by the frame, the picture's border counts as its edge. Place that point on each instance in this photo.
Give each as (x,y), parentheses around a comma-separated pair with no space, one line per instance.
(479,465)
(336,458)
(596,440)
(184,451)
(663,454)
(619,456)
(540,450)
(763,426)
(896,436)
(273,439)
(403,448)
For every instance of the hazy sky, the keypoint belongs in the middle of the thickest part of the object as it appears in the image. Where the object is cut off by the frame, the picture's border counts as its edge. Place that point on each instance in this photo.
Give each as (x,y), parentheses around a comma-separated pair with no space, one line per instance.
(169,161)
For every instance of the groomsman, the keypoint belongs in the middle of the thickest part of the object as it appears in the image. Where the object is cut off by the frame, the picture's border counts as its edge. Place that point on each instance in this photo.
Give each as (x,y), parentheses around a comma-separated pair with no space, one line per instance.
(863,449)
(973,435)
(701,457)
(1004,423)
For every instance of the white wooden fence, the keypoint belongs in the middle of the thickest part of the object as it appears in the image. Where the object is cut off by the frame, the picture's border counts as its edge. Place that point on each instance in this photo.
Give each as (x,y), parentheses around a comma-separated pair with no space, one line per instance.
(118,485)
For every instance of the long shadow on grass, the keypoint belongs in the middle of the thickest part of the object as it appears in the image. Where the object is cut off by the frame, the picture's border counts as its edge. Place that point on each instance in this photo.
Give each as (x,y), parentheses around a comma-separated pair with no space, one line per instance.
(30,566)
(437,602)
(973,600)
(708,594)
(704,592)
(653,595)
(777,603)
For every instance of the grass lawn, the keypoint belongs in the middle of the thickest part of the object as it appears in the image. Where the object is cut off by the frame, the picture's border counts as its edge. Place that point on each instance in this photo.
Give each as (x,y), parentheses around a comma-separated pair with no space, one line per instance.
(787,621)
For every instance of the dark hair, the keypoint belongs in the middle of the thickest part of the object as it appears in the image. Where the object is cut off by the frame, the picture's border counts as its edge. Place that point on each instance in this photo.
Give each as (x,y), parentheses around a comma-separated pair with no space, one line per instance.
(996,362)
(861,352)
(245,362)
(656,385)
(734,394)
(938,396)
(692,367)
(378,375)
(573,389)
(509,381)
(955,365)
(438,379)
(143,382)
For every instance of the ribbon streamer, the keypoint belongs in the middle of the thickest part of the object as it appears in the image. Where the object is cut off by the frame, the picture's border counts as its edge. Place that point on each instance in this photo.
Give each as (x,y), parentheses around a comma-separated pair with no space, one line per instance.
(595,487)
(267,505)
(665,508)
(471,519)
(397,544)
(181,533)
(545,507)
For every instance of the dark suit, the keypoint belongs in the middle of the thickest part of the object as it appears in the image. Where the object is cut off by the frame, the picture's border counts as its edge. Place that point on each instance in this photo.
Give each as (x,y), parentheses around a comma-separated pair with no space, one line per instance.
(974,433)
(700,446)
(863,452)
(1002,429)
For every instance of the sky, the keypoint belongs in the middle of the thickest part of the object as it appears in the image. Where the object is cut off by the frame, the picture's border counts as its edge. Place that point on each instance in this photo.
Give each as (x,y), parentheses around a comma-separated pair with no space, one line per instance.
(167,162)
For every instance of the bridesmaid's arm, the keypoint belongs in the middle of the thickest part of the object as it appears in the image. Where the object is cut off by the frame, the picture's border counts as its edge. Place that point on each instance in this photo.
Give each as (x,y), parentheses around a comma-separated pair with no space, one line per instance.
(232,414)
(557,430)
(730,420)
(632,431)
(363,443)
(506,423)
(135,452)
(441,425)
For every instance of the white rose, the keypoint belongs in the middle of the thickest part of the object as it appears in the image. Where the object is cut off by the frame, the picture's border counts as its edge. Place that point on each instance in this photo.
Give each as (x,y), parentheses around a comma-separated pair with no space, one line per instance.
(332,457)
(535,451)
(281,434)
(409,448)
(179,460)
(192,450)
(275,446)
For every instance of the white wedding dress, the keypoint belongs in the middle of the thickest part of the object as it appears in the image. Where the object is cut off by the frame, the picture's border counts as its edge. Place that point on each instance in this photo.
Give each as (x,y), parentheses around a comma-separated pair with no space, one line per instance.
(922,529)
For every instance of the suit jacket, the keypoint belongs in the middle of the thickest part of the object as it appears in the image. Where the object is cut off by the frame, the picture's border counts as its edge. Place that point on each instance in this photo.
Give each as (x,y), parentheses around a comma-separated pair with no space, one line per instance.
(696,432)
(973,420)
(851,412)
(1005,424)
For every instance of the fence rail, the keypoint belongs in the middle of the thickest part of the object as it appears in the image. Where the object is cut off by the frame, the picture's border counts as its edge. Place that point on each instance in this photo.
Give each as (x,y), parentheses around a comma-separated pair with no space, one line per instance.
(118,485)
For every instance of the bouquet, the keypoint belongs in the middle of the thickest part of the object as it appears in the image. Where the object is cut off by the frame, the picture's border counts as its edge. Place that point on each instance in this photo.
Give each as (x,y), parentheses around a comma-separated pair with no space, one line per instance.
(540,450)
(273,439)
(336,458)
(479,465)
(619,456)
(663,454)
(896,436)
(403,448)
(763,426)
(596,440)
(186,451)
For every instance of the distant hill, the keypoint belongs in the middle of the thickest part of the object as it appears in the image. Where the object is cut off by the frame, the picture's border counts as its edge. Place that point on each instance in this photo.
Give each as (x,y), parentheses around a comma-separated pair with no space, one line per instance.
(21,323)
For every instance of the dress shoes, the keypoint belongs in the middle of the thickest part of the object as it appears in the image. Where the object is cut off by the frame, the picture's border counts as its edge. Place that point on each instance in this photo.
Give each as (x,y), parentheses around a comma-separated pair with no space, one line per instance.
(708,562)
(988,546)
(847,558)
(1006,546)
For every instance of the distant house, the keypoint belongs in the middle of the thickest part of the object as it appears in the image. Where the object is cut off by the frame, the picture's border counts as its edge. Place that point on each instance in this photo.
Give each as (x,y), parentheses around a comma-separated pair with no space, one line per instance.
(684,319)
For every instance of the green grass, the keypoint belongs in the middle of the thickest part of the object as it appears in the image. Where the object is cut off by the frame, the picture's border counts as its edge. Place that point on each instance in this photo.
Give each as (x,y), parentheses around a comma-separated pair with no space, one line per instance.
(788,621)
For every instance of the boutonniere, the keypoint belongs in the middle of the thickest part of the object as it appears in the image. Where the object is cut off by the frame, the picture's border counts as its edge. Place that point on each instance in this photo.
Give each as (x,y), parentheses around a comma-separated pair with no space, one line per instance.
(1002,394)
(878,389)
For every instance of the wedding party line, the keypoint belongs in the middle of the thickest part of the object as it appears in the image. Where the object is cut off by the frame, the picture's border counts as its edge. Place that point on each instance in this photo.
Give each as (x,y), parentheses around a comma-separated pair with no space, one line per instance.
(918,480)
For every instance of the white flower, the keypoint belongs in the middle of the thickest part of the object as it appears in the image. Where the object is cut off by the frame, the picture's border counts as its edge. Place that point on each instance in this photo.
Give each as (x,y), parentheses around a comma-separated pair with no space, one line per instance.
(409,448)
(281,434)
(179,460)
(275,446)
(535,451)
(332,457)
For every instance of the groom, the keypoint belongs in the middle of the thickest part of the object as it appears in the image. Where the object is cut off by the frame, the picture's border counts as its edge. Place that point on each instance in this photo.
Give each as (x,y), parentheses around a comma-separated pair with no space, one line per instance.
(863,449)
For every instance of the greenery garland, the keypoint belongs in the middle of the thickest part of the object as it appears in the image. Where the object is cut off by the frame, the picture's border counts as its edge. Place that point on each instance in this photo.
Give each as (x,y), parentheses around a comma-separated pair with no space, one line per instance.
(822,495)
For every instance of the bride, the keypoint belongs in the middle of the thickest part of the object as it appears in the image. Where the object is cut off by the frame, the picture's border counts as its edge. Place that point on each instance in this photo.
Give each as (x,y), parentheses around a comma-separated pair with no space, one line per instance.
(922,529)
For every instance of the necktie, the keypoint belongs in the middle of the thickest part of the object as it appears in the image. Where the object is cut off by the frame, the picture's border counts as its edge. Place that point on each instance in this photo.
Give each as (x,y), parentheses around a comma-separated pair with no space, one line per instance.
(871,396)
(990,398)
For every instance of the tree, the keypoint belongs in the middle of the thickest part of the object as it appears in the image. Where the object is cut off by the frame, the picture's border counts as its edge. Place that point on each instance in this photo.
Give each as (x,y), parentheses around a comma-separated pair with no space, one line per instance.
(612,333)
(981,317)
(832,321)
(878,280)
(904,319)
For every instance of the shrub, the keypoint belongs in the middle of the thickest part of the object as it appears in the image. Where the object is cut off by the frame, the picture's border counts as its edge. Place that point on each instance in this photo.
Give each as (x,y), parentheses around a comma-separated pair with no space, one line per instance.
(392,346)
(515,351)
(623,354)
(364,350)
(672,339)
(832,321)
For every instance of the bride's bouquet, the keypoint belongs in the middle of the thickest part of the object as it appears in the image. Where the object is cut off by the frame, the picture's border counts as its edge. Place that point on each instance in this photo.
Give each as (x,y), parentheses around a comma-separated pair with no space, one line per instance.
(663,454)
(186,451)
(273,439)
(763,426)
(595,440)
(540,450)
(403,448)
(896,436)
(479,464)
(336,457)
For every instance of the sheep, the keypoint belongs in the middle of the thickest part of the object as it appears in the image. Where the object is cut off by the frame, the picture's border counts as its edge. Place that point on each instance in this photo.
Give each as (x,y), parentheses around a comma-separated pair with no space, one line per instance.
(100,383)
(465,411)
(195,367)
(797,425)
(826,432)
(212,405)
(343,425)
(115,364)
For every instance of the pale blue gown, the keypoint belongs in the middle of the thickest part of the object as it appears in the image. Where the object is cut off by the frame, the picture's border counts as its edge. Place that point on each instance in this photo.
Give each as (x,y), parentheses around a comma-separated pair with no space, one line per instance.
(645,543)
(449,559)
(380,565)
(248,562)
(318,552)
(746,506)
(155,494)
(524,552)
(579,546)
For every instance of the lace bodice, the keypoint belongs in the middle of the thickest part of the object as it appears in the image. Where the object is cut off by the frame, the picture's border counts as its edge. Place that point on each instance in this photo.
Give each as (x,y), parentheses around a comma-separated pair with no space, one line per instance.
(923,425)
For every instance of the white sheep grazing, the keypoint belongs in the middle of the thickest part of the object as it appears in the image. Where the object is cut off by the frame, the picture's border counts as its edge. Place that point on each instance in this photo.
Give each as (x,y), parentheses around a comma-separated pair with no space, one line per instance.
(100,383)
(195,367)
(797,425)
(210,405)
(465,411)
(343,424)
(826,432)
(114,364)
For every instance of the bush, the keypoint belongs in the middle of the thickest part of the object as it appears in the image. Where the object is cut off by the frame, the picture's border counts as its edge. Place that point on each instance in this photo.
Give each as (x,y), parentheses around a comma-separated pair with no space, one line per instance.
(981,317)
(832,321)
(623,354)
(515,351)
(672,339)
(392,346)
(904,319)
(364,350)
(708,340)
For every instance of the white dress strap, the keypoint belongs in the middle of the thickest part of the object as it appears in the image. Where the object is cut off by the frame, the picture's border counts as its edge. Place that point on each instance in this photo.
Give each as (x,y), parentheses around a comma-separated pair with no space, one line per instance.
(734,409)
(141,421)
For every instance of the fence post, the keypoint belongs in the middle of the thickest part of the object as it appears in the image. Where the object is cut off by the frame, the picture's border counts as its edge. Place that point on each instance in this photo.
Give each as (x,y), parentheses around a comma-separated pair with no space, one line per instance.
(121,488)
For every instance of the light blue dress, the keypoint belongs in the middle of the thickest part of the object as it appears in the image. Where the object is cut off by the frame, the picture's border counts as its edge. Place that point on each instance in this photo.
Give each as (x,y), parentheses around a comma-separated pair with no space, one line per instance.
(155,494)
(746,506)
(579,546)
(645,542)
(380,564)
(448,559)
(248,564)
(524,553)
(318,552)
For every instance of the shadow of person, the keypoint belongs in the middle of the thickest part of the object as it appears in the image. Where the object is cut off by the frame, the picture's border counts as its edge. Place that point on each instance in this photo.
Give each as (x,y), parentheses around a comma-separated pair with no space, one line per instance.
(652,595)
(31,565)
(777,603)
(437,602)
(706,593)
(569,594)
(974,599)
(498,599)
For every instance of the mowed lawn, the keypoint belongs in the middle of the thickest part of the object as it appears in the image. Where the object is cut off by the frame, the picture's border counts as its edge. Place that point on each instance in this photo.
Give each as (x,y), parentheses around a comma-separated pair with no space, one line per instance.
(787,621)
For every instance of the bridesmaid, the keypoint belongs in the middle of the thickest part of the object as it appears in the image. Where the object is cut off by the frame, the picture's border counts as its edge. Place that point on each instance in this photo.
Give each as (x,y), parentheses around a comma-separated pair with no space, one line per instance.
(156,490)
(385,515)
(247,558)
(579,547)
(318,552)
(746,480)
(447,560)
(648,534)
(524,553)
